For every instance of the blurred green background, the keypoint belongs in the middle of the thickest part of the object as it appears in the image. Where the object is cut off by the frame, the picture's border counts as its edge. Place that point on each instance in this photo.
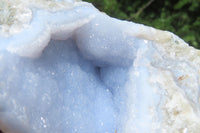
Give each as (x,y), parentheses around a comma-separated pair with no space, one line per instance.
(181,17)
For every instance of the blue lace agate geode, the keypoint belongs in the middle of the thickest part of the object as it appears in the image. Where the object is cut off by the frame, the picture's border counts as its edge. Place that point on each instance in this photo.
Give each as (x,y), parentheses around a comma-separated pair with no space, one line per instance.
(65,67)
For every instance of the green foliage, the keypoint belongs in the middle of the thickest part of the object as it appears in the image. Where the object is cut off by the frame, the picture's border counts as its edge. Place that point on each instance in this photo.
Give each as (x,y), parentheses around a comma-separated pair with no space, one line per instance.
(179,16)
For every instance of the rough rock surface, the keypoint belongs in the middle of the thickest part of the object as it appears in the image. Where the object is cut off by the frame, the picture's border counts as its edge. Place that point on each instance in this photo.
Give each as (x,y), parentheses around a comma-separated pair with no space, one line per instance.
(65,67)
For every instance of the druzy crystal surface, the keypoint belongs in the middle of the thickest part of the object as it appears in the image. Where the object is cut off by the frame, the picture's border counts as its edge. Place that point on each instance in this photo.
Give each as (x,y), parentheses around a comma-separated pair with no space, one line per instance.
(66,67)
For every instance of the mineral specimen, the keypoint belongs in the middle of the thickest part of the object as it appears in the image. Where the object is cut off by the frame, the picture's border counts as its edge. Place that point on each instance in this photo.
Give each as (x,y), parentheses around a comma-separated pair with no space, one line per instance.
(65,67)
